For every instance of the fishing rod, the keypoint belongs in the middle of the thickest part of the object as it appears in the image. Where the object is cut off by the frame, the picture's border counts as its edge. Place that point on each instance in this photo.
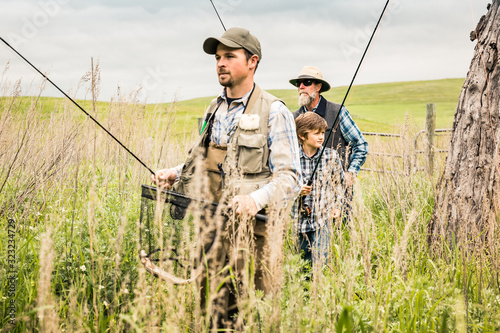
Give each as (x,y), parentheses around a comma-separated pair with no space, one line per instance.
(177,199)
(216,12)
(224,27)
(78,106)
(81,108)
(335,122)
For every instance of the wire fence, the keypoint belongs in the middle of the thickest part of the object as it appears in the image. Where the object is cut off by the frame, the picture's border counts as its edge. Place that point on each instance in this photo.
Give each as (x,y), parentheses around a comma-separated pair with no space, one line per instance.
(419,156)
(396,153)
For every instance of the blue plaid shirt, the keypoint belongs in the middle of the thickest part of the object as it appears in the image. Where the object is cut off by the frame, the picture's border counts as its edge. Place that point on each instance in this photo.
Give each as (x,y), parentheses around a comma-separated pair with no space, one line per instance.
(327,190)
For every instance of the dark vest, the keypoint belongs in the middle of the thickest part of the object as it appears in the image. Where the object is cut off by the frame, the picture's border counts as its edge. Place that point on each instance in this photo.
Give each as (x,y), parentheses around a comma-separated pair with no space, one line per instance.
(329,110)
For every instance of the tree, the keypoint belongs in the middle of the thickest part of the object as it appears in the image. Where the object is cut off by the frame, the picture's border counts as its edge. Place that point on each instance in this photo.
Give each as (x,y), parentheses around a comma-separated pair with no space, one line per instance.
(468,192)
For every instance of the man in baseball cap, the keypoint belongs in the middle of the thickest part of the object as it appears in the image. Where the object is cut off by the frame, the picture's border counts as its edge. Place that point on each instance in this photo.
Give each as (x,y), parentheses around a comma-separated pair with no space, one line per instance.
(249,154)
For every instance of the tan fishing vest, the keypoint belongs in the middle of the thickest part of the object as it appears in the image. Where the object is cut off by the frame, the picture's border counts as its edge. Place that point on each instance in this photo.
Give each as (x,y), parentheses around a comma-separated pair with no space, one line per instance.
(243,162)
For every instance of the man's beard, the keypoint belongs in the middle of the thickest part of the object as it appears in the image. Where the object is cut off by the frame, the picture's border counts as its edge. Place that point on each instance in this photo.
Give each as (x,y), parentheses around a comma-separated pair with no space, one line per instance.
(228,82)
(305,98)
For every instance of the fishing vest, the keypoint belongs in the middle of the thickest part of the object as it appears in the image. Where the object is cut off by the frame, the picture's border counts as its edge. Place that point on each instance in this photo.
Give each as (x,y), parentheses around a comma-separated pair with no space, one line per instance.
(241,167)
(329,110)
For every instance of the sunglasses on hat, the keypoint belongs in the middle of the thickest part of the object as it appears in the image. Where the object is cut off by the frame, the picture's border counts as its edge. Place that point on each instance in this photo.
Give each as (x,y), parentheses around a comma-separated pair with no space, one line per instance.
(306,83)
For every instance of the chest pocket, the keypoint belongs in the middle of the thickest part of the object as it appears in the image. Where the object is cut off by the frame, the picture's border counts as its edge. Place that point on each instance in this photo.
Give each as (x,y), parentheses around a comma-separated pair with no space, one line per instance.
(251,152)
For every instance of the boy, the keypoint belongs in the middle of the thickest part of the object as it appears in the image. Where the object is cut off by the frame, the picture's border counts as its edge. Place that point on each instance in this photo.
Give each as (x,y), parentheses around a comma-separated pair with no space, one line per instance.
(321,202)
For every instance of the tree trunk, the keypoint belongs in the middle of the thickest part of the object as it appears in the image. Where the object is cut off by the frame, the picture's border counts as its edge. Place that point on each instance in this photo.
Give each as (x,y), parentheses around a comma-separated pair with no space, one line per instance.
(467,195)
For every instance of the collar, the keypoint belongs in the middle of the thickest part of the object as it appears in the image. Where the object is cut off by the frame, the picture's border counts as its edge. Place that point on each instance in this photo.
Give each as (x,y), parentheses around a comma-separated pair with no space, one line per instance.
(303,154)
(223,96)
(321,107)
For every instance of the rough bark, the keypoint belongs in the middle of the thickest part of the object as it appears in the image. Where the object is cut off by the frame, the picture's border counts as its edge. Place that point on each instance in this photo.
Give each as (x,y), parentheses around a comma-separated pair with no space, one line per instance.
(467,196)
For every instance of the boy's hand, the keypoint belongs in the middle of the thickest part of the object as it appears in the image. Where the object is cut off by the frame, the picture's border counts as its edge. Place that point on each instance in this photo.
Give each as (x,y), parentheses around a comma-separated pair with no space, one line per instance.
(305,190)
(336,213)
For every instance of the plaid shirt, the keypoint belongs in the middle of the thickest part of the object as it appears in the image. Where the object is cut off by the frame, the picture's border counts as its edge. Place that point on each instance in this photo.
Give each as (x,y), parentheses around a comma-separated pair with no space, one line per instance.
(327,190)
(281,140)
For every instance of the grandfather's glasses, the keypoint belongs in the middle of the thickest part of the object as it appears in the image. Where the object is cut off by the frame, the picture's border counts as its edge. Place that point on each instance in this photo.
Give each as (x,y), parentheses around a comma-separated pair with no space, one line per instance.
(306,83)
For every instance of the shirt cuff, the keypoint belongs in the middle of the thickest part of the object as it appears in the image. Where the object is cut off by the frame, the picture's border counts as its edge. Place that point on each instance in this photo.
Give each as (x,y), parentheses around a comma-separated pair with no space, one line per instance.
(178,170)
(261,198)
(354,169)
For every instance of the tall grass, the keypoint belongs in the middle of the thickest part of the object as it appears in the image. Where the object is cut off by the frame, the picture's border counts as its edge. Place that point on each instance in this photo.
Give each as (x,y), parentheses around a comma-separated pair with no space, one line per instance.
(75,196)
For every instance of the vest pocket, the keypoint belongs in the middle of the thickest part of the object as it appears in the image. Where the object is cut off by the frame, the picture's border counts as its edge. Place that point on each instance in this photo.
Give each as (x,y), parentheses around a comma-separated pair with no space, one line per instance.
(251,152)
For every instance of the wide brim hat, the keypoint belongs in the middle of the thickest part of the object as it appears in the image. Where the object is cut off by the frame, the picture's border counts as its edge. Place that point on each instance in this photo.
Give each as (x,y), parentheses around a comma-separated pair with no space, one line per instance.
(236,38)
(311,72)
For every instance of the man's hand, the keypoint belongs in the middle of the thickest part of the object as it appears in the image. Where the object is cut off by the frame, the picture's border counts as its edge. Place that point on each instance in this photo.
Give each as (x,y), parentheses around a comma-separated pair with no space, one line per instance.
(244,204)
(305,190)
(164,178)
(349,178)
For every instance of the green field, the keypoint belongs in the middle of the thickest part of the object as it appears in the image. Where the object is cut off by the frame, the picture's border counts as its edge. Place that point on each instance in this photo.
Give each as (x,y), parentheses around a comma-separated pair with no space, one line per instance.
(375,107)
(378,107)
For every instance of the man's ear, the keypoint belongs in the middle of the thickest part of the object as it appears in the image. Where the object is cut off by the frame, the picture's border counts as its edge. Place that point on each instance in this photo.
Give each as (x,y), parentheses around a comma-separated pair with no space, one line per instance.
(253,61)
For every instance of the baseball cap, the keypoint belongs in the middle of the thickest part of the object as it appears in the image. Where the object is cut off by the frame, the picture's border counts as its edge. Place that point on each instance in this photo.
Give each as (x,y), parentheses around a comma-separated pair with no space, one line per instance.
(235,38)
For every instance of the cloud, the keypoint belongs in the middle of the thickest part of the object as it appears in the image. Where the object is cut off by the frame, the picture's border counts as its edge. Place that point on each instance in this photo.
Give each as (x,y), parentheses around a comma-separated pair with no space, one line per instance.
(156,44)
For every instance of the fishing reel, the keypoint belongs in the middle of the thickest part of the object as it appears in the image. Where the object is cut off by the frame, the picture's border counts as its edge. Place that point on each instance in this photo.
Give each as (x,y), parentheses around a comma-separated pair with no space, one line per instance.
(177,212)
(305,211)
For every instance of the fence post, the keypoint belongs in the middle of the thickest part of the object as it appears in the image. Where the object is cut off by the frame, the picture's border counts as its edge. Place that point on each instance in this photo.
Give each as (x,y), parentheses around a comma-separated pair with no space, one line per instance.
(430,127)
(200,124)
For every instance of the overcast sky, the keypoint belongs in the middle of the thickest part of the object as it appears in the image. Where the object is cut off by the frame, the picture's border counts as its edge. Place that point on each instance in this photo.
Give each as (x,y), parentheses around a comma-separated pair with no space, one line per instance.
(157,44)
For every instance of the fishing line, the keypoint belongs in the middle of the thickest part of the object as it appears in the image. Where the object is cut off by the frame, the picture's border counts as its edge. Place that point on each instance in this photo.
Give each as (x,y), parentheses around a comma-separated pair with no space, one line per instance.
(335,122)
(216,12)
(78,105)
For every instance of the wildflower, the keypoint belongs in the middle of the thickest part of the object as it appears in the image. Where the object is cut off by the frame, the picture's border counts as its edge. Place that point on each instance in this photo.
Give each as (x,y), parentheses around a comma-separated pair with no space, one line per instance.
(125,291)
(101,287)
(105,303)
(83,268)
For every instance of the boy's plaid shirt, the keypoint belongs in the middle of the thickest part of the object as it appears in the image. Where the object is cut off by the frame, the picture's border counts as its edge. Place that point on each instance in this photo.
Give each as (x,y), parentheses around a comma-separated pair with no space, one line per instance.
(327,190)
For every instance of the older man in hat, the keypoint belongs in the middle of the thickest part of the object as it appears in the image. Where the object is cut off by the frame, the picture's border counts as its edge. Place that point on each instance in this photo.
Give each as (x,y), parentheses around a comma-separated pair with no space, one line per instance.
(347,139)
(247,147)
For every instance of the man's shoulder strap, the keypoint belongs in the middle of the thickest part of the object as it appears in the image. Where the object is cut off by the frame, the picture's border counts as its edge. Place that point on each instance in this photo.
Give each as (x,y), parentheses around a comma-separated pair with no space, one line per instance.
(253,98)
(264,97)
